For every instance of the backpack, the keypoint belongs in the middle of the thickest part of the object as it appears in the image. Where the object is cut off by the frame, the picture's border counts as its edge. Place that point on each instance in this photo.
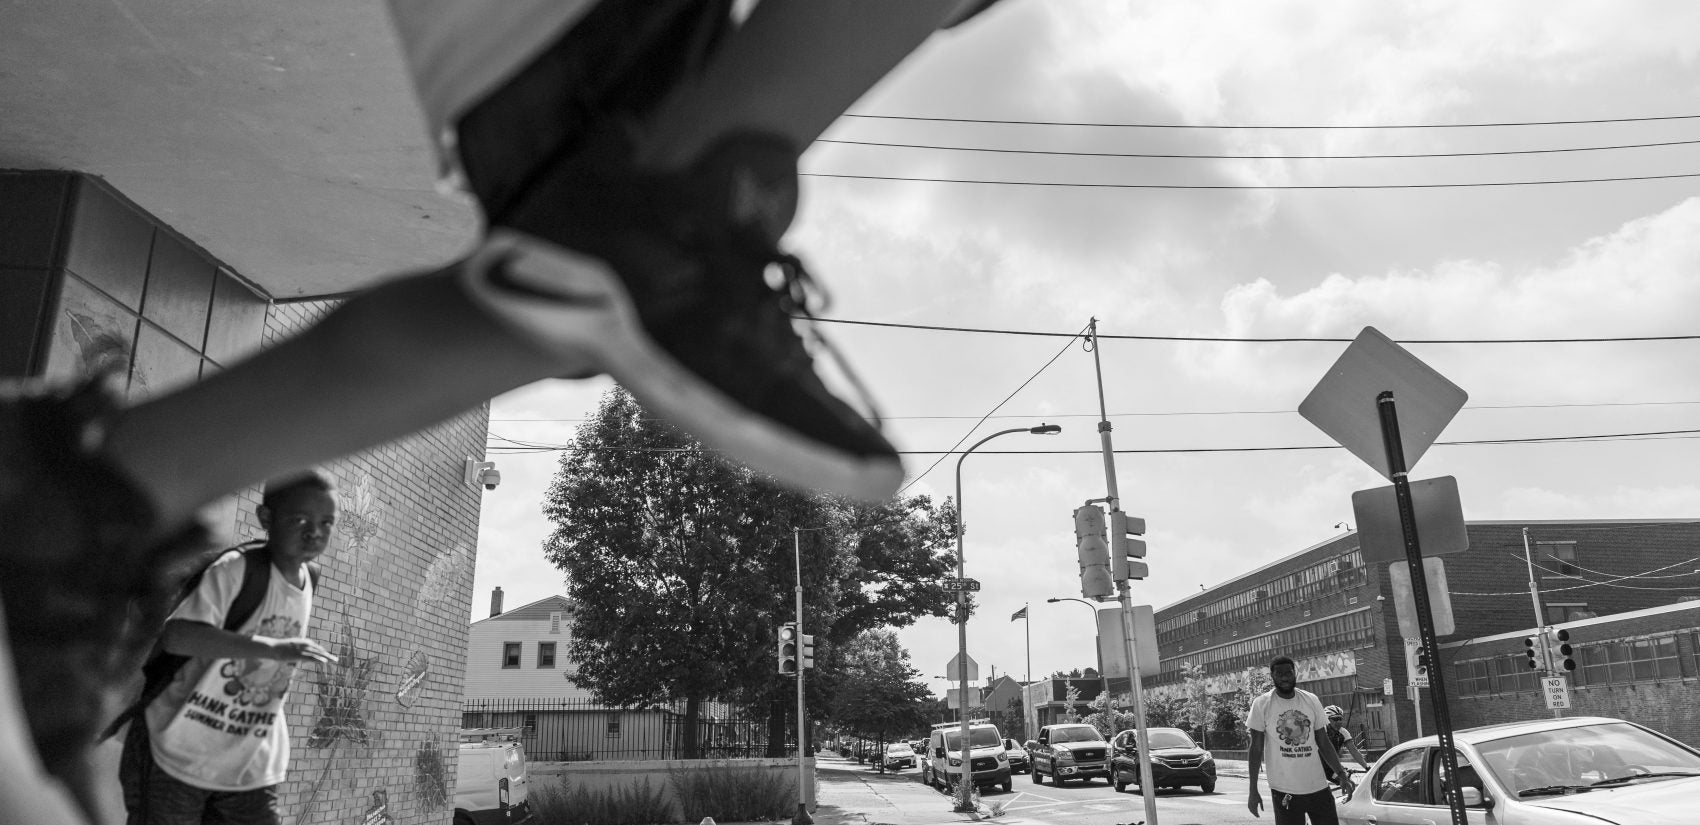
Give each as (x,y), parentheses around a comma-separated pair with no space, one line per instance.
(161,666)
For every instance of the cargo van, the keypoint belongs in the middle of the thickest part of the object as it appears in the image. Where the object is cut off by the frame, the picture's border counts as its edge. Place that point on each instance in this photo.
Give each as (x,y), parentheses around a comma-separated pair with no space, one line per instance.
(941,765)
(490,782)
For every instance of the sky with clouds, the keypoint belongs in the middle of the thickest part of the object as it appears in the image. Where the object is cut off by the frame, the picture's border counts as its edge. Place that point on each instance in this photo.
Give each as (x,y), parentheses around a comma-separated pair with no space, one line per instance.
(1233,246)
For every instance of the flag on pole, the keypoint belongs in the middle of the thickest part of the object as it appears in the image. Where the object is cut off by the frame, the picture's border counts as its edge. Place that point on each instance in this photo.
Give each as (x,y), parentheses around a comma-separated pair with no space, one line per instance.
(1019,614)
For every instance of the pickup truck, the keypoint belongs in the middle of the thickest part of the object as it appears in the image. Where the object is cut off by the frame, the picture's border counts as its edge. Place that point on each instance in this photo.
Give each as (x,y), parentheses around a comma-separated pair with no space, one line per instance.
(1071,751)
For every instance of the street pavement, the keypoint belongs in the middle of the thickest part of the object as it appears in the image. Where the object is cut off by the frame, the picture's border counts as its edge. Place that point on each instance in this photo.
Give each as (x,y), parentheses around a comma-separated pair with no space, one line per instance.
(855,794)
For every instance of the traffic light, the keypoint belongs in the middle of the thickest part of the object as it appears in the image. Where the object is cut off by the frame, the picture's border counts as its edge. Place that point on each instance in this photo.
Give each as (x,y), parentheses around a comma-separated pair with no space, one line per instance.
(1125,550)
(808,650)
(1094,552)
(1532,649)
(1558,643)
(788,649)
(1422,662)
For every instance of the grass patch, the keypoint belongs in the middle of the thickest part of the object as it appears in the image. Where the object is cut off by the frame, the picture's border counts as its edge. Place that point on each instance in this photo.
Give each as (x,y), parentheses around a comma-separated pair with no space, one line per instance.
(635,804)
(735,794)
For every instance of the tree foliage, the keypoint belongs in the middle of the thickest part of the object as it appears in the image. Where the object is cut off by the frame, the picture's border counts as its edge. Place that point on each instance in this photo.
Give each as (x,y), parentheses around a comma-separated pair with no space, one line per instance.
(683,564)
(880,695)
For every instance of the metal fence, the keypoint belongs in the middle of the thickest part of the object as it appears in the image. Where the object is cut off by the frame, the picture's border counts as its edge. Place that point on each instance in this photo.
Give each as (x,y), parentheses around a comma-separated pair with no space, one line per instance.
(577,730)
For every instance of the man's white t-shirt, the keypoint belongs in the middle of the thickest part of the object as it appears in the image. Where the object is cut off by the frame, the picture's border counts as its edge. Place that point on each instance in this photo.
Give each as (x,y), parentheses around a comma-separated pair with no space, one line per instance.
(220,723)
(1289,726)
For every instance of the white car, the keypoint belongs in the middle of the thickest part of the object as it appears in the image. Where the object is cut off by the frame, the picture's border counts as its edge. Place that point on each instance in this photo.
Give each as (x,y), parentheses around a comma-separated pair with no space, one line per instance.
(899,756)
(1576,771)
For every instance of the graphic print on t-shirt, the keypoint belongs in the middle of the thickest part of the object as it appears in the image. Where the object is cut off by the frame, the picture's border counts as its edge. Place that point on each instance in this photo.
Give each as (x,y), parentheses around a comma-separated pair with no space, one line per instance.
(260,682)
(1293,726)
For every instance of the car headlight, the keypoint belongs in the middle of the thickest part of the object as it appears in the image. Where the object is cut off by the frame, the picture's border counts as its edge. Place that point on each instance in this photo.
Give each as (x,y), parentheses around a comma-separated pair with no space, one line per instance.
(956,761)
(1065,756)
(1003,757)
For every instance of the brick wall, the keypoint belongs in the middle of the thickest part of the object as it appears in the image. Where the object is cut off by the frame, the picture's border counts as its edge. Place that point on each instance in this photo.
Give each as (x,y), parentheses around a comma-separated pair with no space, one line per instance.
(398,588)
(90,280)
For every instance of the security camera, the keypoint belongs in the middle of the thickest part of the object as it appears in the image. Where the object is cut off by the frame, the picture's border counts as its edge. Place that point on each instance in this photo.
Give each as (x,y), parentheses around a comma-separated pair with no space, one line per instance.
(481,472)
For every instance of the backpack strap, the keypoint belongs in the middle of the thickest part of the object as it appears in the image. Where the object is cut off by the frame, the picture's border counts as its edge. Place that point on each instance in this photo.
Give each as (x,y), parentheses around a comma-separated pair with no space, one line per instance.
(162,666)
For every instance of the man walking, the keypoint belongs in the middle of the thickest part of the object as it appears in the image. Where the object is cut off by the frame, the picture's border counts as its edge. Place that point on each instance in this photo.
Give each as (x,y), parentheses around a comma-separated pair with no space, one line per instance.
(1288,734)
(214,746)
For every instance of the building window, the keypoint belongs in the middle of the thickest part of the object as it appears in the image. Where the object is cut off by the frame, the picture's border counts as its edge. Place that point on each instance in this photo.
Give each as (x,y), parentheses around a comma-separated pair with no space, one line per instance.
(1472,678)
(555,622)
(545,655)
(1632,661)
(1512,674)
(1558,557)
(510,654)
(1561,612)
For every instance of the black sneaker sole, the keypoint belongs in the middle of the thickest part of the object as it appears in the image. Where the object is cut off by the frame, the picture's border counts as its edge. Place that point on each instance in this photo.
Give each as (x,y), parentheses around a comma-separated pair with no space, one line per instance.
(574,304)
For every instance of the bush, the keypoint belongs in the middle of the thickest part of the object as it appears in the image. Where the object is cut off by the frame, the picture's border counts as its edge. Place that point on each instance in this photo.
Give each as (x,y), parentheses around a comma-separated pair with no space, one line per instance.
(636,804)
(735,794)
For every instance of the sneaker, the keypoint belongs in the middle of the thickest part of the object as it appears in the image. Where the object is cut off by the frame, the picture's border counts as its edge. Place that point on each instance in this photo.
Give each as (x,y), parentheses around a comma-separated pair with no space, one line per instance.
(79,577)
(692,252)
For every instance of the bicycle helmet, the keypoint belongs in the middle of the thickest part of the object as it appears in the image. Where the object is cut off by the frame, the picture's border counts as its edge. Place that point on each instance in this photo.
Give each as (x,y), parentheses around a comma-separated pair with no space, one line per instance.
(1332,711)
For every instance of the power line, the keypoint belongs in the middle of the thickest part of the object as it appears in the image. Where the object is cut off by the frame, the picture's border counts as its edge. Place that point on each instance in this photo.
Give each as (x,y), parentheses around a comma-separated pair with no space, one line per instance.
(966,435)
(1241,340)
(1259,186)
(1205,126)
(1176,156)
(1168,413)
(1550,439)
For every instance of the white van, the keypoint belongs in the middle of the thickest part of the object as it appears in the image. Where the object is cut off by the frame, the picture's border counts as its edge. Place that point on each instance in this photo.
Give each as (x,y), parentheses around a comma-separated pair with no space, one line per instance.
(941,765)
(490,782)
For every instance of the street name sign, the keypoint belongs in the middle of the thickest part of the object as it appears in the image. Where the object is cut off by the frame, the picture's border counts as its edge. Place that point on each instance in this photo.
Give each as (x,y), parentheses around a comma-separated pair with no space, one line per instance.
(1440,520)
(1343,404)
(955,585)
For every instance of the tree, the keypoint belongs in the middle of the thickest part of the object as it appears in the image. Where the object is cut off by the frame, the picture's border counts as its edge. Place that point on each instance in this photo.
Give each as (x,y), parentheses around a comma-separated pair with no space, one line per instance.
(684,565)
(880,694)
(673,556)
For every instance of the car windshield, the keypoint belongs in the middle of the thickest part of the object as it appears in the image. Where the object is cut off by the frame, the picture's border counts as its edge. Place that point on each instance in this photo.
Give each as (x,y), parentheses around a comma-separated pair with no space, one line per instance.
(1083,733)
(1583,756)
(901,750)
(1167,739)
(977,738)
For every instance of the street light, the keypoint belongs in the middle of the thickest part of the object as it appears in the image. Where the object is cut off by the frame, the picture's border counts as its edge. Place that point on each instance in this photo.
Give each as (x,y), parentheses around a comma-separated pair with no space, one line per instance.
(964,787)
(1105,677)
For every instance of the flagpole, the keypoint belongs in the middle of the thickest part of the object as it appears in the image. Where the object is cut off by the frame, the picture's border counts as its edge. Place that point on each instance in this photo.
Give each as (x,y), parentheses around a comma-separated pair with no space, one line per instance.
(1027,710)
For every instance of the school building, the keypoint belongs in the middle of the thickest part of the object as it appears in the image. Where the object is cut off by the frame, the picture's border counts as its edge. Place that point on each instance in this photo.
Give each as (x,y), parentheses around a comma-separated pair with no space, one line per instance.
(1623,588)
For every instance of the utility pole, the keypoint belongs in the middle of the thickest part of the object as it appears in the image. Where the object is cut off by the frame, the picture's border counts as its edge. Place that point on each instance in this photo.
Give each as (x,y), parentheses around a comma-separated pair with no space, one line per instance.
(1124,591)
(802,817)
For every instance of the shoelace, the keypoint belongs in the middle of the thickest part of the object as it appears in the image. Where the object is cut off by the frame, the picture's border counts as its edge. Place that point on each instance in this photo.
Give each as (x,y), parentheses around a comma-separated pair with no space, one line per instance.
(799,294)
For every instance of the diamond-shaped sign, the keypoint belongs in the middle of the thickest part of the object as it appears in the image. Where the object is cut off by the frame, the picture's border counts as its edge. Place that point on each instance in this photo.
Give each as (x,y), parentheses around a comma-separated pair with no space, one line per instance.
(1343,404)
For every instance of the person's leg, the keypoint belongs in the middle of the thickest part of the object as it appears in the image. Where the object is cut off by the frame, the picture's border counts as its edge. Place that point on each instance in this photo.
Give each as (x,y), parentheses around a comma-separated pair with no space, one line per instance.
(170,802)
(402,357)
(791,69)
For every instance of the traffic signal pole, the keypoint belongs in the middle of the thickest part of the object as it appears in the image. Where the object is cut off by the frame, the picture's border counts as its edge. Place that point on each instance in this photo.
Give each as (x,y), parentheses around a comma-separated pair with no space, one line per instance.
(1125,591)
(1419,592)
(1540,616)
(802,817)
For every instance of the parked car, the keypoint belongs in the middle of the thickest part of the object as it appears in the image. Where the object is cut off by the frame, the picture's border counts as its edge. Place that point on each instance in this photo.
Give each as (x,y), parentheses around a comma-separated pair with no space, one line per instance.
(1071,751)
(490,778)
(899,756)
(1176,761)
(989,763)
(1019,761)
(1573,771)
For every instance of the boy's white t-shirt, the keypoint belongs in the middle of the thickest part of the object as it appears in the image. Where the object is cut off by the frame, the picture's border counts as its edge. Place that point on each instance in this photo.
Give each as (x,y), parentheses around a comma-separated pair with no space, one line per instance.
(220,723)
(1290,757)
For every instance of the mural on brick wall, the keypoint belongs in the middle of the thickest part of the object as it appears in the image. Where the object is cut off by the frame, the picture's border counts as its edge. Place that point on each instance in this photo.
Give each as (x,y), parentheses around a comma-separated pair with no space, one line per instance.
(344,685)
